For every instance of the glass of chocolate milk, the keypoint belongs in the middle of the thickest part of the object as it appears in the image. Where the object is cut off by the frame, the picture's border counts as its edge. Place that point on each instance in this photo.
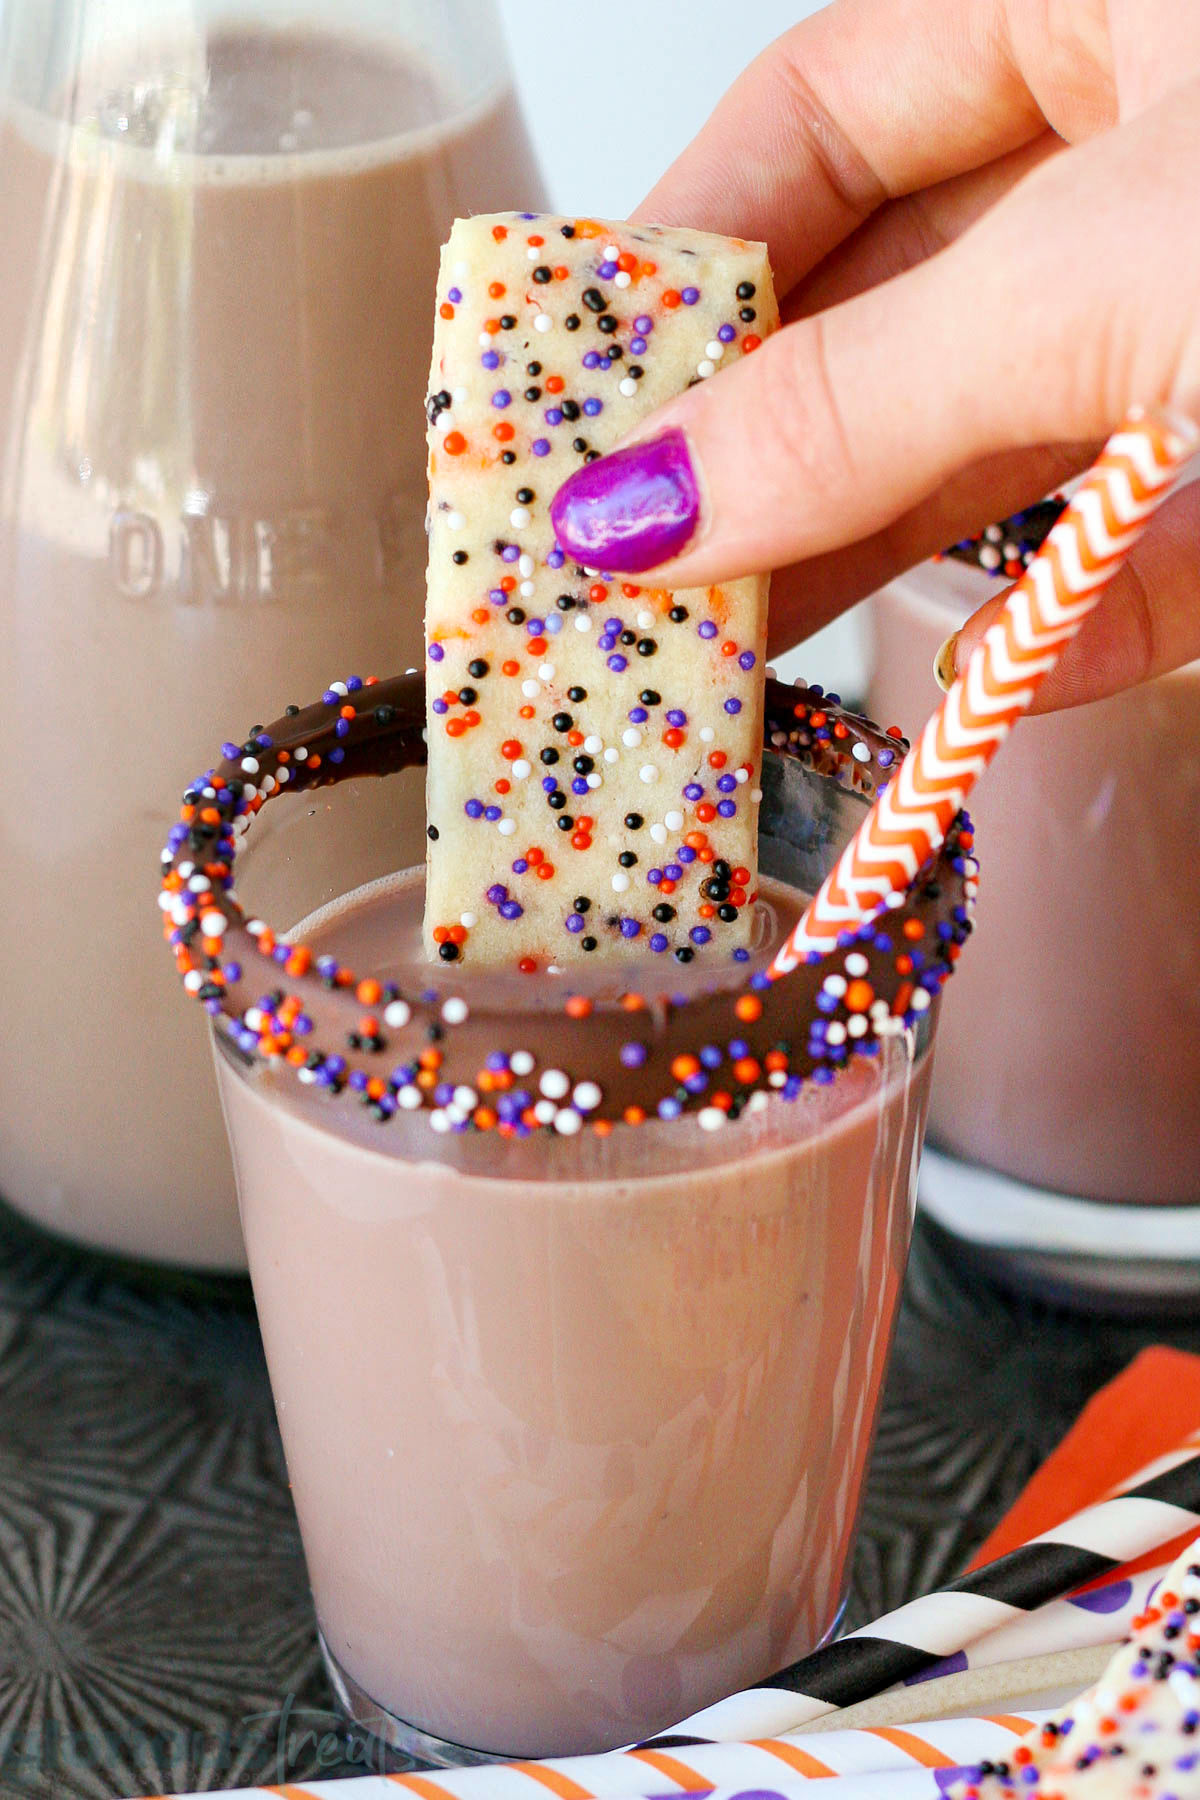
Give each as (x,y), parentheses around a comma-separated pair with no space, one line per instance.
(1065,1116)
(219,227)
(576,1426)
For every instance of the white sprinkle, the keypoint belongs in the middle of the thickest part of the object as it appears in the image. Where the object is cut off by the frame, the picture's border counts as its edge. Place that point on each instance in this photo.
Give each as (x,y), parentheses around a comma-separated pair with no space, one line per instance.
(710,1118)
(620,882)
(254,1018)
(705,369)
(282,775)
(546,672)
(199,884)
(521,1062)
(525,564)
(459,395)
(189,868)
(878,1009)
(466,1099)
(543,322)
(528,589)
(397,1014)
(213,924)
(856,963)
(756,796)
(583,621)
(408,1098)
(611,252)
(530,689)
(628,387)
(835,985)
(455,1011)
(777,1078)
(521,768)
(631,737)
(611,755)
(250,764)
(920,1001)
(444,421)
(300,754)
(707,734)
(533,252)
(483,340)
(506,827)
(193,981)
(658,833)
(566,1122)
(648,773)
(469,920)
(544,1112)
(622,278)
(587,1096)
(757,1101)
(714,351)
(645,620)
(594,781)
(859,1025)
(255,928)
(673,820)
(455,521)
(593,744)
(836,1034)
(440,1120)
(989,558)
(339,687)
(860,753)
(519,516)
(554,1084)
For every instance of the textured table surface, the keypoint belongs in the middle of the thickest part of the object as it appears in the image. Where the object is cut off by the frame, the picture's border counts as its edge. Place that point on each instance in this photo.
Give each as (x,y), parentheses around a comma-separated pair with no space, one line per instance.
(156,1631)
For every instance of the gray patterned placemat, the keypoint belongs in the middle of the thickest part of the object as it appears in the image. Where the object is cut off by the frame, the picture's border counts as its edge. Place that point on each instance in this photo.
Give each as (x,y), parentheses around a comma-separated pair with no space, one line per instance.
(156,1631)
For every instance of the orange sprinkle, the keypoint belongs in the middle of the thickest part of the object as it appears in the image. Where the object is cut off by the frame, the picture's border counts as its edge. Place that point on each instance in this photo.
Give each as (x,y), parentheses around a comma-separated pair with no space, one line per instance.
(446,310)
(634,1115)
(913,929)
(480,615)
(578,1007)
(740,875)
(696,840)
(368,993)
(728,648)
(537,242)
(496,289)
(510,749)
(671,299)
(503,432)
(545,871)
(597,591)
(750,342)
(528,965)
(510,668)
(455,727)
(536,647)
(746,1070)
(706,812)
(502,786)
(454,443)
(499,232)
(629,590)
(859,996)
(683,1066)
(580,840)
(717,759)
(748,1008)
(527,712)
(673,737)
(554,384)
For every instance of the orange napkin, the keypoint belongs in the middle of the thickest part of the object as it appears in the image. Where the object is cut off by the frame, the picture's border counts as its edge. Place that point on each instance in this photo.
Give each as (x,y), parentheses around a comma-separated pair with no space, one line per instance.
(1153,1406)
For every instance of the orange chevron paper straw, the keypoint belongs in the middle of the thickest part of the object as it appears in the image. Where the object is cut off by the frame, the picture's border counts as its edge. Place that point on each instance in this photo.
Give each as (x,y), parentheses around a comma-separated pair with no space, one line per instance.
(1042,613)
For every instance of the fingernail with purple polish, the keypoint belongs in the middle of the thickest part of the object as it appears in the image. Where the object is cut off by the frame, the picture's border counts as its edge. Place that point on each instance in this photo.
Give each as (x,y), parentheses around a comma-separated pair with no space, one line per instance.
(631,510)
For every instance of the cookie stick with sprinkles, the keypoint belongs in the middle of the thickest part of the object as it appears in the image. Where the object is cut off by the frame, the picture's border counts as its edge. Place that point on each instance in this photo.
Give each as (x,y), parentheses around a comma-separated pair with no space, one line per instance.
(594,743)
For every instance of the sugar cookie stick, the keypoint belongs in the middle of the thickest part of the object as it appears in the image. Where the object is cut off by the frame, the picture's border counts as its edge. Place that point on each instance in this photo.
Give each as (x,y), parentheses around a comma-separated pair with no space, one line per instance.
(594,743)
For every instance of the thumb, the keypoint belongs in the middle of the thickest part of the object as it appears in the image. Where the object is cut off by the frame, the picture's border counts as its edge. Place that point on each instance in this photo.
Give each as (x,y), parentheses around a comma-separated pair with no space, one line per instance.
(1071,300)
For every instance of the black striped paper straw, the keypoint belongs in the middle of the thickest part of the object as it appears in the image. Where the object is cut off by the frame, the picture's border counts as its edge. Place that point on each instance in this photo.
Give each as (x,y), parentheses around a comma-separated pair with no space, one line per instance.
(1160,1502)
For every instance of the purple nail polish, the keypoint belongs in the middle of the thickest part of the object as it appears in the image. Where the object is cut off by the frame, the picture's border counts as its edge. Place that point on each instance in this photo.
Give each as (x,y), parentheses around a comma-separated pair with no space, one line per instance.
(632,510)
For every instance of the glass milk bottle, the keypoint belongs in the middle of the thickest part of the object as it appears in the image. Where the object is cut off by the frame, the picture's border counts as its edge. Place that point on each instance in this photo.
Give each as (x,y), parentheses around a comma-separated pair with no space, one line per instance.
(219,227)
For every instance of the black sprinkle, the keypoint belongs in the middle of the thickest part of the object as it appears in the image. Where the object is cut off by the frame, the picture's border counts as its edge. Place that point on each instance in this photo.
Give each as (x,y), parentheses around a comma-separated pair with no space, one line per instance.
(745,290)
(664,913)
(587,943)
(525,496)
(582,903)
(576,694)
(477,667)
(448,952)
(572,323)
(507,321)
(549,754)
(459,557)
(562,721)
(677,615)
(594,300)
(646,646)
(627,859)
(747,315)
(634,821)
(542,274)
(509,457)
(533,393)
(432,833)
(607,324)
(515,615)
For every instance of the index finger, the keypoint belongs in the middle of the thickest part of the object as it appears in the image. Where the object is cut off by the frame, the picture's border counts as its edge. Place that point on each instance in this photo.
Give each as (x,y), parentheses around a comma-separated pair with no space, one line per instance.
(861,103)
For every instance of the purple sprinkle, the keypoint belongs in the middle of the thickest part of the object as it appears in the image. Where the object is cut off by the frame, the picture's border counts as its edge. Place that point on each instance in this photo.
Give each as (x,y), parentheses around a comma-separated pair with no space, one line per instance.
(726,784)
(885,758)
(606,642)
(233,971)
(510,553)
(496,1061)
(658,942)
(501,398)
(342,728)
(497,596)
(690,295)
(554,415)
(556,559)
(637,345)
(675,717)
(743,955)
(540,446)
(693,791)
(520,867)
(747,659)
(708,629)
(579,785)
(638,715)
(496,893)
(606,271)
(490,359)
(535,627)
(474,809)
(575,922)
(644,323)
(491,814)
(630,928)
(592,360)
(617,663)
(440,706)
(455,295)
(633,1055)
(592,407)
(727,334)
(733,705)
(654,876)
(673,872)
(548,784)
(358,1079)
(436,654)
(726,808)
(230,752)
(700,934)
(511,910)
(1106,1599)
(686,854)
(670,1108)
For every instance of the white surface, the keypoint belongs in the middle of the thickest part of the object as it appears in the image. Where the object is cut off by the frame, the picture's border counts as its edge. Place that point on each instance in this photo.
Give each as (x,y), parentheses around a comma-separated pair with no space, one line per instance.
(614,93)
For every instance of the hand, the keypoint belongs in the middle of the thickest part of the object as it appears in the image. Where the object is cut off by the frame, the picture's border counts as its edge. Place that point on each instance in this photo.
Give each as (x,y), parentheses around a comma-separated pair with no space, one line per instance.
(984,219)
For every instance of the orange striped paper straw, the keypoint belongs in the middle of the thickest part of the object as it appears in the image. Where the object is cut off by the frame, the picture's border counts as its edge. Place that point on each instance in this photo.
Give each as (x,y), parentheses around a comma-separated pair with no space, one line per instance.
(1042,613)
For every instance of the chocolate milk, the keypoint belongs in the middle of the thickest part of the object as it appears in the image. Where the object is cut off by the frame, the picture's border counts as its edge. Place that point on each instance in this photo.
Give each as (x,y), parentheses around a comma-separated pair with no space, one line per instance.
(212,492)
(1069,1041)
(576,1429)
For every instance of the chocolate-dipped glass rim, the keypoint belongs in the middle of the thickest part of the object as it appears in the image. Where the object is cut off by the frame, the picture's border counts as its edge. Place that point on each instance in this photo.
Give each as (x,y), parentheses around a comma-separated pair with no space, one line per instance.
(477,1051)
